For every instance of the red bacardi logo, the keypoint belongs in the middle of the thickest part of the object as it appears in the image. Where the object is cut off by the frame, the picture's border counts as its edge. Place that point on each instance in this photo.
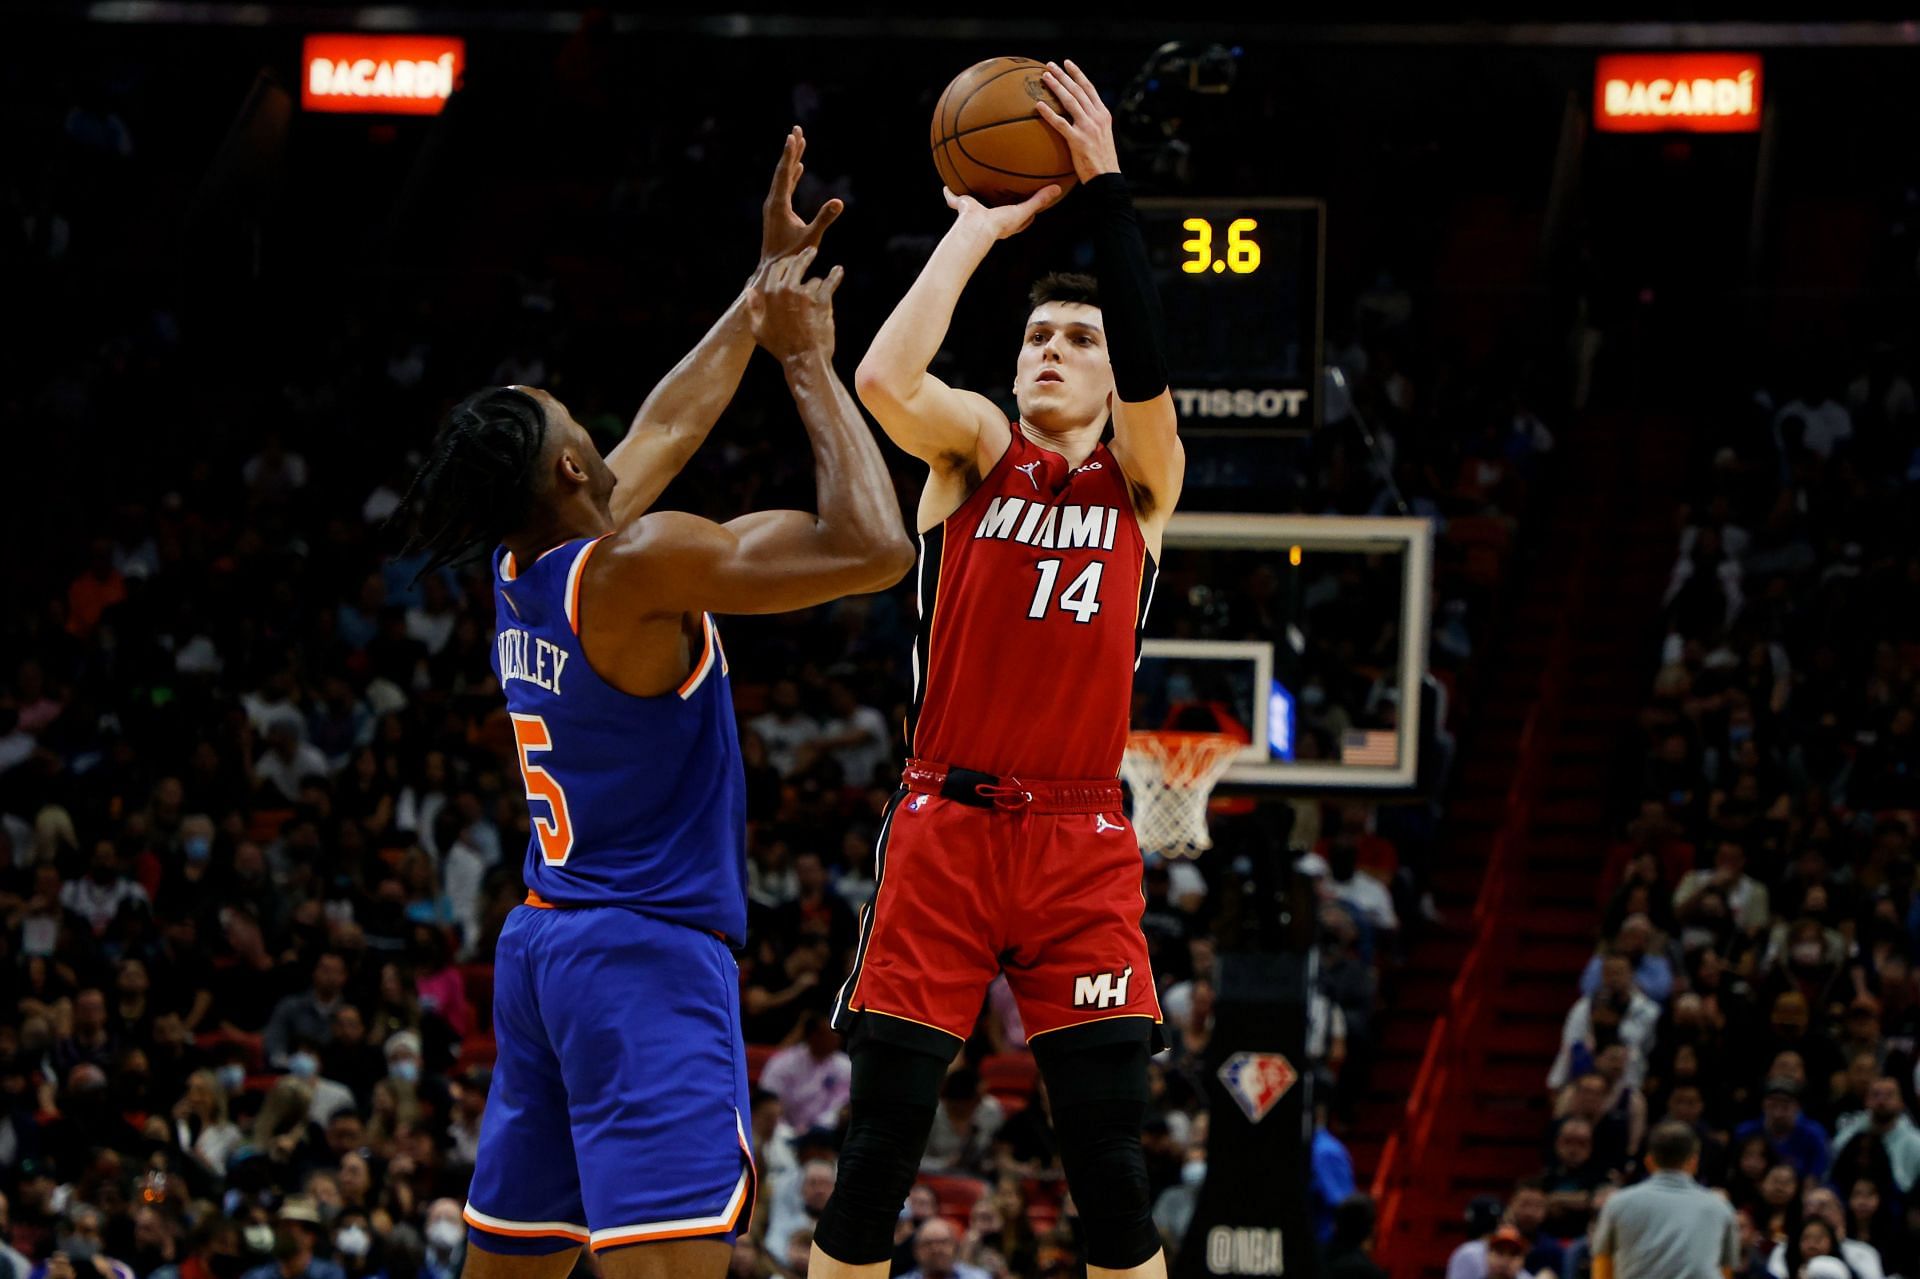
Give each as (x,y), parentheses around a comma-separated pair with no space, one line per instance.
(1257,1081)
(386,75)
(1669,92)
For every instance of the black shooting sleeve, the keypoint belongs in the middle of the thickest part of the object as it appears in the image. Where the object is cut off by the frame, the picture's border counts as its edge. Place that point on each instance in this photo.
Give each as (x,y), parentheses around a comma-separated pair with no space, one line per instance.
(1129,303)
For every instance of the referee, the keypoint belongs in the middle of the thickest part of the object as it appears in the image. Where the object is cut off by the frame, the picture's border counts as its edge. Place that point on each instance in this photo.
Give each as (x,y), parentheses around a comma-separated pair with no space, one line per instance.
(1668,1226)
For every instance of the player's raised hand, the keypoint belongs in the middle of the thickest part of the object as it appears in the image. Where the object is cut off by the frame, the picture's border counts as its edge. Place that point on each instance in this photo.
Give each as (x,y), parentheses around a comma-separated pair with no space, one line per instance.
(1087,125)
(1002,220)
(781,229)
(792,315)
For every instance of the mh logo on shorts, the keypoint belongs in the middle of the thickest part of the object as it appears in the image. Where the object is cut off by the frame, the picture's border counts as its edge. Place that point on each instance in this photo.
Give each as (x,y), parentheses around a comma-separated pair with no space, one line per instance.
(1257,1081)
(1101,990)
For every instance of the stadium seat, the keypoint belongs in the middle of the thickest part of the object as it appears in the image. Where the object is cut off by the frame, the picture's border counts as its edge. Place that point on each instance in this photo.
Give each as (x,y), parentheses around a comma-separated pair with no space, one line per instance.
(1008,1075)
(476,1050)
(479,983)
(263,826)
(214,1041)
(957,1195)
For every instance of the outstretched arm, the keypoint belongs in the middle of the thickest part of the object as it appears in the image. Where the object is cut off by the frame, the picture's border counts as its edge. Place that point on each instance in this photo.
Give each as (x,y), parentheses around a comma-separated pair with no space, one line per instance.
(675,420)
(774,561)
(1145,427)
(919,412)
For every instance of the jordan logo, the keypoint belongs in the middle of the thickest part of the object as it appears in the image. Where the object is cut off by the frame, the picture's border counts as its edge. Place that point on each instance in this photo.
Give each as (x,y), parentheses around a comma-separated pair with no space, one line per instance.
(1027,469)
(1101,825)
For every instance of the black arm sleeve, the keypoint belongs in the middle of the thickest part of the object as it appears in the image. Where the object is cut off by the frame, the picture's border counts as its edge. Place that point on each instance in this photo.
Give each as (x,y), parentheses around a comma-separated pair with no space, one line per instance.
(1129,303)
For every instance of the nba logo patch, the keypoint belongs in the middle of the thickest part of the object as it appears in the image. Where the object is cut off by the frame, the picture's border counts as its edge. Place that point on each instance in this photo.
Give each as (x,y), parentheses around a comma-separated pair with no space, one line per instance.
(917,803)
(1257,1081)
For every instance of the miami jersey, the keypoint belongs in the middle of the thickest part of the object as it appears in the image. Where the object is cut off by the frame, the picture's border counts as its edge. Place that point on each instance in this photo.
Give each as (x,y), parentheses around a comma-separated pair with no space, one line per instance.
(1031,598)
(634,801)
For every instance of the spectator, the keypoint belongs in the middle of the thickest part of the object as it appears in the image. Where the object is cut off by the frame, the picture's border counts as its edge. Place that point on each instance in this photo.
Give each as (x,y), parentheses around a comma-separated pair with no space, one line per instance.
(201,1126)
(446,1240)
(961,1140)
(1617,1007)
(812,1078)
(856,735)
(1821,1204)
(1669,1226)
(1350,1246)
(1506,1255)
(1794,1137)
(1570,1178)
(1886,1118)
(288,762)
(308,1015)
(17,1266)
(294,1239)
(99,898)
(1333,1182)
(809,1200)
(1652,974)
(1743,896)
(788,732)
(936,1253)
(1579,1253)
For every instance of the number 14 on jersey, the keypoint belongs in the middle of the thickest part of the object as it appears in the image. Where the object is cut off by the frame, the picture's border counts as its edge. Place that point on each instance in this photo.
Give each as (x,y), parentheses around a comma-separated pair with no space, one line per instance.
(1081,598)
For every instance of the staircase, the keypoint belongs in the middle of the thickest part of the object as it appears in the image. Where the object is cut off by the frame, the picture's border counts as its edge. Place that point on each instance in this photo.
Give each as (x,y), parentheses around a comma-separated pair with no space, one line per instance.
(1529,829)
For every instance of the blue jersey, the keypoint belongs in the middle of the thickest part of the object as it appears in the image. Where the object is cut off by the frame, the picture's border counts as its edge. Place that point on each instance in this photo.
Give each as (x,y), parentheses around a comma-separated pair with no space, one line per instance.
(634,801)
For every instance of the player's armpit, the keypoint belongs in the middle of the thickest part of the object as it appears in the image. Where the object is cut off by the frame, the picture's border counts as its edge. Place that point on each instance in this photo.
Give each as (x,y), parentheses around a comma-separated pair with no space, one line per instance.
(946,428)
(766,562)
(1146,443)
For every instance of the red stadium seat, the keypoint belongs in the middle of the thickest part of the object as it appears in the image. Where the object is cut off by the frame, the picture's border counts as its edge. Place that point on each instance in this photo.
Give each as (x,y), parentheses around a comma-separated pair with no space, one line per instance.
(479,983)
(263,827)
(757,1055)
(1008,1075)
(957,1195)
(212,1042)
(476,1050)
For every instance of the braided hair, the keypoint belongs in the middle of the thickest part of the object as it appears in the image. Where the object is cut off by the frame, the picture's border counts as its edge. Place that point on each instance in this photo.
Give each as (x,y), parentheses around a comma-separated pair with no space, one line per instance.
(477,484)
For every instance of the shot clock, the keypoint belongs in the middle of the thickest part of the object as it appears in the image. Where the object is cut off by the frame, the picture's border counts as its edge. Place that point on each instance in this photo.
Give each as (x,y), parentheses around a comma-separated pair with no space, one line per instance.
(1240,282)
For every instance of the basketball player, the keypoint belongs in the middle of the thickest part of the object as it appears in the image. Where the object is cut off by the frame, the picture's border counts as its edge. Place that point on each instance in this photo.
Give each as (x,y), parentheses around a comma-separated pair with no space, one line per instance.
(617,1116)
(1005,848)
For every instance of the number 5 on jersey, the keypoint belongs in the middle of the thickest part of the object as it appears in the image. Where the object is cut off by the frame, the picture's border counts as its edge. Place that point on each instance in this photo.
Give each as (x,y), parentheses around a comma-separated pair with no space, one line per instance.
(1081,598)
(555,831)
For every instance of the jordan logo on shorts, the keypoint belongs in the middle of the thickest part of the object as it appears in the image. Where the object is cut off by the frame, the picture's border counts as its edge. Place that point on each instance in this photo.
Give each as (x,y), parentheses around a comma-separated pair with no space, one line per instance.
(1101,825)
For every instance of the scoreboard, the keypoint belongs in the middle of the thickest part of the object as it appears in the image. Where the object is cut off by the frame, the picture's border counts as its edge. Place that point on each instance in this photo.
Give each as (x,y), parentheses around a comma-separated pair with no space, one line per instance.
(1241,283)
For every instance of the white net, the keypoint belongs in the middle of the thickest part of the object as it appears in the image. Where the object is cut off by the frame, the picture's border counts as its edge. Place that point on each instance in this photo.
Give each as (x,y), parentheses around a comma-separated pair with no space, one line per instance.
(1171,775)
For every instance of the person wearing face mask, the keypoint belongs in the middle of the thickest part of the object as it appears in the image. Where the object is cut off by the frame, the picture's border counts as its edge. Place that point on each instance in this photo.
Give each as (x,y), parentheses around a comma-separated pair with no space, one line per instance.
(213,1252)
(330,1097)
(296,1235)
(446,1241)
(356,1249)
(1173,1209)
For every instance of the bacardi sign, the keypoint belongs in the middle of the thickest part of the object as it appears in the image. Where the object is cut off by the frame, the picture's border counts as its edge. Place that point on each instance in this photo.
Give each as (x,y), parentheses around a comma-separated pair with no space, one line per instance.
(1677,92)
(384,75)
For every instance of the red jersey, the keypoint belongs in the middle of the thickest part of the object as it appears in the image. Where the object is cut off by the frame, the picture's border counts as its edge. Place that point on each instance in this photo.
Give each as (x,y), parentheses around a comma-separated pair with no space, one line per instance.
(1031,599)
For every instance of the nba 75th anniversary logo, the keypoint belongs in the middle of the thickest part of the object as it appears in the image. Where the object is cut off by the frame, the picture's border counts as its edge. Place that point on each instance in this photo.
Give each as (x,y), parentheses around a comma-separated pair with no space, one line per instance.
(1257,1081)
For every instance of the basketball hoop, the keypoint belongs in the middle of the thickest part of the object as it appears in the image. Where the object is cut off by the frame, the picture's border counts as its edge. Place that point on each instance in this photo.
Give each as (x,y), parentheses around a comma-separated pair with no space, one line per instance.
(1171,774)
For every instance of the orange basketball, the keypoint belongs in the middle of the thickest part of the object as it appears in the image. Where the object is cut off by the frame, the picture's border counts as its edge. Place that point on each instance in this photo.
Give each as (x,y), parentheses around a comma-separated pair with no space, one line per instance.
(989,142)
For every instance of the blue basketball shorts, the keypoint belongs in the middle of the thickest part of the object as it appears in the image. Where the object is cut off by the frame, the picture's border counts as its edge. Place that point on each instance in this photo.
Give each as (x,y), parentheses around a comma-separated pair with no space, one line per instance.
(618,1113)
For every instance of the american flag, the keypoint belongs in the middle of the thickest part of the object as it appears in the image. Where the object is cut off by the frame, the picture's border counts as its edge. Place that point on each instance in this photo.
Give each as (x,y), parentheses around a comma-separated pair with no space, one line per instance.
(1369,748)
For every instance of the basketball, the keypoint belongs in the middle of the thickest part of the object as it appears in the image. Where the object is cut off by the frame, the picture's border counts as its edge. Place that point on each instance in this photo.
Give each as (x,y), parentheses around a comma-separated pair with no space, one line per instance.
(989,142)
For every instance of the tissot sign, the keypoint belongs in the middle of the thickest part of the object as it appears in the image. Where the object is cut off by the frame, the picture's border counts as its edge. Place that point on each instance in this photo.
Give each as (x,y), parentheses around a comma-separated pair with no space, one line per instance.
(382,75)
(1677,93)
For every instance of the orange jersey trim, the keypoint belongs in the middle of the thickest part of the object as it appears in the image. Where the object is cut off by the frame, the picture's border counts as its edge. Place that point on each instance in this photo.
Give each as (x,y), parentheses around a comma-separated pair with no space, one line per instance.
(536,901)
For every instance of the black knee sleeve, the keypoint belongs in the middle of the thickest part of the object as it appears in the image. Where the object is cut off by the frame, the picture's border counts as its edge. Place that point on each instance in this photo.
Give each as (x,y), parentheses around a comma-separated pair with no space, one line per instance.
(1099,1097)
(895,1092)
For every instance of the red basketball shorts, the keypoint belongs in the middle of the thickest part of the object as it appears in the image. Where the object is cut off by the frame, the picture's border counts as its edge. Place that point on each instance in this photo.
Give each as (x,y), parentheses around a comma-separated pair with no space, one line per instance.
(981,875)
